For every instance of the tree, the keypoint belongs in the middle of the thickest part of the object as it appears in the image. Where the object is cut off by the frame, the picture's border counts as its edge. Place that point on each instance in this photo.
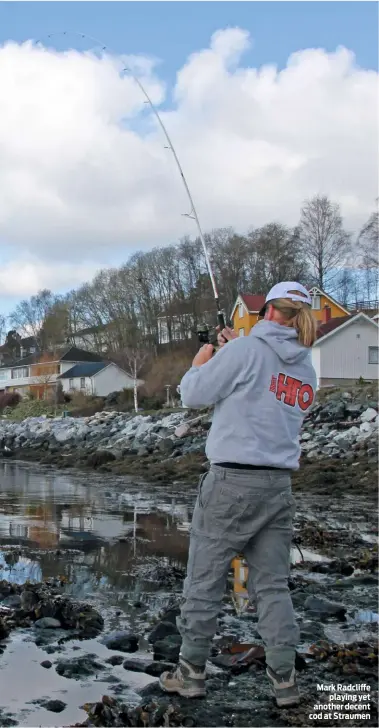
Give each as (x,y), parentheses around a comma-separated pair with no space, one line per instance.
(132,360)
(55,325)
(13,344)
(325,243)
(367,248)
(368,240)
(29,315)
(3,323)
(276,255)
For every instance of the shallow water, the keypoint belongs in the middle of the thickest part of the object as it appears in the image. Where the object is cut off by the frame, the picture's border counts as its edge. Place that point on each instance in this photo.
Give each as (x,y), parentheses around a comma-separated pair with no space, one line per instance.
(54,524)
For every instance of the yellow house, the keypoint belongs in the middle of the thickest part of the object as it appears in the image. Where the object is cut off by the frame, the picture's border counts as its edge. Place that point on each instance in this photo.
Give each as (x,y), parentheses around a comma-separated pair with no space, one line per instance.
(246,309)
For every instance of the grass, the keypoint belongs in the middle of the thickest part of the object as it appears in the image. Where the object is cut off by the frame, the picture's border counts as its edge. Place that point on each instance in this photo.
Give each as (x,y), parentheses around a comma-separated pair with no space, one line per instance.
(39,407)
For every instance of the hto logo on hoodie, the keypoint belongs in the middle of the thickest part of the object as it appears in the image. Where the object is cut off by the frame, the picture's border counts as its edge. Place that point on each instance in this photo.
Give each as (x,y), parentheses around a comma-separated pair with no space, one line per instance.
(292,391)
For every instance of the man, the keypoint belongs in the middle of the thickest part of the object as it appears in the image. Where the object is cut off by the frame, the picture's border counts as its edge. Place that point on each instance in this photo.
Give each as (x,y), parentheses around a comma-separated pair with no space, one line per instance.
(261,387)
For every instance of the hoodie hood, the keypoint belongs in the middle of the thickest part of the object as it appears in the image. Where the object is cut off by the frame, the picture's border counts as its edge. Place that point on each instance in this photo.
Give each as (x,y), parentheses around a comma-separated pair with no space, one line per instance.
(282,339)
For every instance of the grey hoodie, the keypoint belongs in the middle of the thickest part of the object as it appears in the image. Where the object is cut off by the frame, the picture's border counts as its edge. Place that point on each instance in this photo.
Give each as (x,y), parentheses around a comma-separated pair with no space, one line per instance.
(262,386)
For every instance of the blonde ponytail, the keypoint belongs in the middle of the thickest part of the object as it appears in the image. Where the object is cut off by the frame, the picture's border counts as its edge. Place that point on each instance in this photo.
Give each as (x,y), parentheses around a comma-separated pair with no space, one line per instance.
(299,316)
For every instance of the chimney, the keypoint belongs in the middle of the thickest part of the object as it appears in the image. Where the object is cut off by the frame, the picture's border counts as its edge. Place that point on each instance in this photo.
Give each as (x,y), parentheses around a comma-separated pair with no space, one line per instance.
(326,314)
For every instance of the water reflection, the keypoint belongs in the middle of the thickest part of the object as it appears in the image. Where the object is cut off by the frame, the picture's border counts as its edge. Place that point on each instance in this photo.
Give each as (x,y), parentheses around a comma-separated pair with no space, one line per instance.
(18,569)
(55,524)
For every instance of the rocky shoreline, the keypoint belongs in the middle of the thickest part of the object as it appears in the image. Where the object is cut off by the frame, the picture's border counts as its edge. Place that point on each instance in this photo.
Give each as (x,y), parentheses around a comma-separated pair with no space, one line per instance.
(237,691)
(340,433)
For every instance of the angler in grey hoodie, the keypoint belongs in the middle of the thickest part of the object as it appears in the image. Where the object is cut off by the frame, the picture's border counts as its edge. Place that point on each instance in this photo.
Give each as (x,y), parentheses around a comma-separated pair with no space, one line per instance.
(261,387)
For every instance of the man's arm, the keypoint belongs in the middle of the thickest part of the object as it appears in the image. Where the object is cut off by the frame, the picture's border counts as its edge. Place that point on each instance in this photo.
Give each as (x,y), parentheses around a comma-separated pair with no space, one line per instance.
(209,382)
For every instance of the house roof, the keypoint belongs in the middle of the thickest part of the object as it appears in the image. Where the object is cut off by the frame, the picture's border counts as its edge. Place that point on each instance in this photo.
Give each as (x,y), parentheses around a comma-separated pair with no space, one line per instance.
(72,353)
(67,353)
(320,292)
(253,303)
(331,327)
(87,369)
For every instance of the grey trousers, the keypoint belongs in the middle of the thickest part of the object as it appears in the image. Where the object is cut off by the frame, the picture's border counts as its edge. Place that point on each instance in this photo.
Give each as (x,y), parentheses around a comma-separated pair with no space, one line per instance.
(249,512)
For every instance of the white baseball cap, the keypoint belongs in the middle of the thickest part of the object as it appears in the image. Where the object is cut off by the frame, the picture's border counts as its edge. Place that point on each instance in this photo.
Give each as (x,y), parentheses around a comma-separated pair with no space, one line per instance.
(286,290)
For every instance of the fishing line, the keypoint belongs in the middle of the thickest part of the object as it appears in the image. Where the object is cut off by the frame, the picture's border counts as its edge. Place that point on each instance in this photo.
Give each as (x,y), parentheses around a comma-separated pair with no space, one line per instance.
(192,215)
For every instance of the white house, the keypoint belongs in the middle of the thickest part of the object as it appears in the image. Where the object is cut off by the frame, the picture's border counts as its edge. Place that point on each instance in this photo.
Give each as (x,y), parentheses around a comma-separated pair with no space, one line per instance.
(39,372)
(346,350)
(97,378)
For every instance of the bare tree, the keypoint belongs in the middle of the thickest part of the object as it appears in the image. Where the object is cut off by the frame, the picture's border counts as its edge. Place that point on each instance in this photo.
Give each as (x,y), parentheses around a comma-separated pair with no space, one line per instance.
(29,315)
(275,254)
(3,324)
(55,325)
(368,241)
(367,249)
(325,243)
(133,359)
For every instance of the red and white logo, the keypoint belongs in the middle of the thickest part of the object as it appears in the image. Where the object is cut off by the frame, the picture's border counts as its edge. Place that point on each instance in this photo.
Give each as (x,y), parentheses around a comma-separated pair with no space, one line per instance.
(292,391)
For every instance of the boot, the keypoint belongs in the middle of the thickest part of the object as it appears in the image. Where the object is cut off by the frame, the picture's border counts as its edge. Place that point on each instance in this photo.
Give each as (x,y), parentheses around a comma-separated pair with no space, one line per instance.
(284,688)
(187,680)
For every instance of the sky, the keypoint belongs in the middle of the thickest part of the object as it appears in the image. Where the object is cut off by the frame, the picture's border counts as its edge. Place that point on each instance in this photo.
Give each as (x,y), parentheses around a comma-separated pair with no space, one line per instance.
(267,103)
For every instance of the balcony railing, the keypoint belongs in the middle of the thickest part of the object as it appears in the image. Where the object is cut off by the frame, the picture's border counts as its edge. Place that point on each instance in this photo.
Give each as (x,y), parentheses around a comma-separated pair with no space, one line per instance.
(366,305)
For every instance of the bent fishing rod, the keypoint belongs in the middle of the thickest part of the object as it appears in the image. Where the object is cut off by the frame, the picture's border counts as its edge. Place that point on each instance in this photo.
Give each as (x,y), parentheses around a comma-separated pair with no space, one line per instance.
(203,333)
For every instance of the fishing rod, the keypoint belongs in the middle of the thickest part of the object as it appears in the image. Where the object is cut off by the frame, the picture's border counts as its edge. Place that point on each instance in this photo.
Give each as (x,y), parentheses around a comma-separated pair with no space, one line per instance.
(203,332)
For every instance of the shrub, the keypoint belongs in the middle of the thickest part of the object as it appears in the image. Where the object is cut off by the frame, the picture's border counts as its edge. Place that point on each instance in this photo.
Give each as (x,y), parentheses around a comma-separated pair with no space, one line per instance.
(166,369)
(9,399)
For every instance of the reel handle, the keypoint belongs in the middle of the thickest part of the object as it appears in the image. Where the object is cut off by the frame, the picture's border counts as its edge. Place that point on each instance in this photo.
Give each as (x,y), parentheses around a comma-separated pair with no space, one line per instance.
(221,323)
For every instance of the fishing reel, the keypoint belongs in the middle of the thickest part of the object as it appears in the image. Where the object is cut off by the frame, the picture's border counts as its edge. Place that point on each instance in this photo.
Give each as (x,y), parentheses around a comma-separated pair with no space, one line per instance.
(208,334)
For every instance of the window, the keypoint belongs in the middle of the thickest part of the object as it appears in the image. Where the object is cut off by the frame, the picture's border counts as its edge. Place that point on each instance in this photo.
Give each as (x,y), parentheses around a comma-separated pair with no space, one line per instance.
(71,384)
(240,310)
(316,302)
(373,352)
(20,373)
(82,383)
(241,332)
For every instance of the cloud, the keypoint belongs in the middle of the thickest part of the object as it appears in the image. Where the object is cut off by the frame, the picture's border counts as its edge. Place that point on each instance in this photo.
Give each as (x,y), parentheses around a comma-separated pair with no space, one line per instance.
(83,170)
(27,277)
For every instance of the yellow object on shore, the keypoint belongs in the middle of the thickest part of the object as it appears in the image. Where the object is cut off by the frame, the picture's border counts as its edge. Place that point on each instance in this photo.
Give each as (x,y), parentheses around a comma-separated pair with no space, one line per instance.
(240,574)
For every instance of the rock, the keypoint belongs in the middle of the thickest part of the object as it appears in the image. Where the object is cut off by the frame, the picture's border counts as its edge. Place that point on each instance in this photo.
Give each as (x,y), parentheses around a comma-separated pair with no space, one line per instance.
(47,664)
(47,623)
(367,427)
(100,457)
(28,599)
(13,601)
(79,667)
(136,664)
(306,436)
(63,436)
(369,415)
(324,608)
(349,435)
(115,660)
(156,668)
(122,641)
(55,706)
(149,667)
(166,446)
(168,648)
(334,410)
(162,630)
(182,430)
